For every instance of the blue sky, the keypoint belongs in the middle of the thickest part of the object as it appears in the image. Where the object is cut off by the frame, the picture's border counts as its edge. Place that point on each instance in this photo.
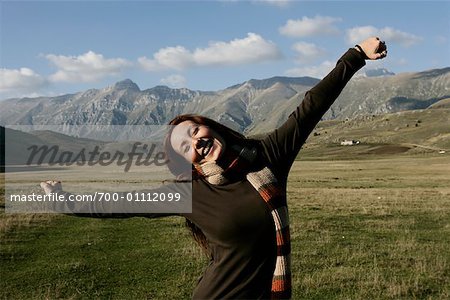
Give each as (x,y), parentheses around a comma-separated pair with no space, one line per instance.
(52,48)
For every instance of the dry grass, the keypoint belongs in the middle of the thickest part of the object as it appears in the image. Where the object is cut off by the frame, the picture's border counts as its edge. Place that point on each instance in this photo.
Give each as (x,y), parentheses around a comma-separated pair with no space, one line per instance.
(12,222)
(370,229)
(363,238)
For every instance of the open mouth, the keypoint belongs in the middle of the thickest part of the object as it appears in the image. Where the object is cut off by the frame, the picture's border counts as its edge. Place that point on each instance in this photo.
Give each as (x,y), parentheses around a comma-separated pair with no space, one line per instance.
(205,145)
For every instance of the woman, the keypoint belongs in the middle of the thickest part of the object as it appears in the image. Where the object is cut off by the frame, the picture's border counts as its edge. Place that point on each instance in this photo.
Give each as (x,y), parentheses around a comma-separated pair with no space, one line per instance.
(239,210)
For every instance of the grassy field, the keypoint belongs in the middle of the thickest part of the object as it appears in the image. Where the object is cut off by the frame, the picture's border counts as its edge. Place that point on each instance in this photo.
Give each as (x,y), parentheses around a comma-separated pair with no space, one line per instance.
(375,228)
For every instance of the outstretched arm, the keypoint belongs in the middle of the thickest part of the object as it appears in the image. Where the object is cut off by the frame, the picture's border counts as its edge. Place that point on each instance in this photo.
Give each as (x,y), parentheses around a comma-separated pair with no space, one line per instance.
(283,144)
(122,205)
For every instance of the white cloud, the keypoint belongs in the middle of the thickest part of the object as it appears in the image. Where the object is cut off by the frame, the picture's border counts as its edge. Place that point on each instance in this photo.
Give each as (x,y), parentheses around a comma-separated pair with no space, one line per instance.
(307,52)
(401,62)
(20,81)
(278,3)
(176,81)
(251,49)
(441,39)
(319,71)
(389,34)
(318,25)
(88,67)
(177,58)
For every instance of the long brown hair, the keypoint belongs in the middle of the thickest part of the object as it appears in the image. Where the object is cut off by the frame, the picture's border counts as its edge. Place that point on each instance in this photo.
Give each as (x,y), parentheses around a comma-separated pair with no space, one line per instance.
(231,137)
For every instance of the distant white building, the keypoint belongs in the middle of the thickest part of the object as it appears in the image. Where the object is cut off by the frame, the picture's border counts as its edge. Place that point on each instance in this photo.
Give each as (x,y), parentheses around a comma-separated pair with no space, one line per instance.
(349,142)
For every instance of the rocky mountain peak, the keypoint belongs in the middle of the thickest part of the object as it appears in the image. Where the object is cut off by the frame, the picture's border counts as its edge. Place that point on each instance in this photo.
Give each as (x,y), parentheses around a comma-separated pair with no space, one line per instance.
(377,72)
(256,104)
(127,84)
(261,84)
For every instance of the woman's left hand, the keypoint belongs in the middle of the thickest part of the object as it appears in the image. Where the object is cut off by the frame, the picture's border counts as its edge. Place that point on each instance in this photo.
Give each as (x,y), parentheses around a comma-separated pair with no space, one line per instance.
(373,48)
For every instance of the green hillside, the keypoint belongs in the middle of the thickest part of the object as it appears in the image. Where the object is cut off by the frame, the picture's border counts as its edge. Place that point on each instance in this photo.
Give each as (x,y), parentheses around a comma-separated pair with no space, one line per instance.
(403,133)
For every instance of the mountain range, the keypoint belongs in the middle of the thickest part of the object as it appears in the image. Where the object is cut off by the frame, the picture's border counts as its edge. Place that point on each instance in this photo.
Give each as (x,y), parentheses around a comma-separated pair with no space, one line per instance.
(251,107)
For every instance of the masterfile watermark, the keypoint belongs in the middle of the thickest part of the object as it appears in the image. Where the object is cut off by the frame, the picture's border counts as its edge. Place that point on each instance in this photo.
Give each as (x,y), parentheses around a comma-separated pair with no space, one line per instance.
(53,156)
(103,169)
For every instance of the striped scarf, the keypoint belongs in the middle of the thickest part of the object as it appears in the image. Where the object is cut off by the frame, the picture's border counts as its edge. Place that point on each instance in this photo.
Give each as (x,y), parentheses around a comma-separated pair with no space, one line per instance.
(266,184)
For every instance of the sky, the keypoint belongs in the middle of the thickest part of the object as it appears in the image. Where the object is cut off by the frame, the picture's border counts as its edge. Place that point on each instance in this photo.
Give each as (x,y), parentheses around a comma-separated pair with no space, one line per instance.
(59,47)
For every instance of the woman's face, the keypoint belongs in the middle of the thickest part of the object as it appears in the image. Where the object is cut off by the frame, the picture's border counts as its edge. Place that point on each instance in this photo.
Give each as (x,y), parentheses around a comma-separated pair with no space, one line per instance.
(197,143)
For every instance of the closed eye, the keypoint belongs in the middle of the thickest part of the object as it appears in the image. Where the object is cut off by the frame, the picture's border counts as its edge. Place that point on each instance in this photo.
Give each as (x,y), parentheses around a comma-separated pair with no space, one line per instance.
(186,149)
(195,131)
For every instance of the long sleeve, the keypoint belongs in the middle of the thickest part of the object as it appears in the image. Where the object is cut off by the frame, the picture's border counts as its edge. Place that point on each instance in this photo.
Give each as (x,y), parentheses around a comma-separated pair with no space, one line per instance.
(151,203)
(283,144)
